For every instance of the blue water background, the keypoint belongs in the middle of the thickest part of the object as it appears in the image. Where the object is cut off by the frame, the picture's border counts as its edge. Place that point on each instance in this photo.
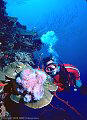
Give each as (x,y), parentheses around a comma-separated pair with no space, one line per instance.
(68,19)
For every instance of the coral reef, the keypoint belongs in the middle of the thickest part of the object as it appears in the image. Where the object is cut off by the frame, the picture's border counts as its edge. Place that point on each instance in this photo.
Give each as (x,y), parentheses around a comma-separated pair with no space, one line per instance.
(2,9)
(17,45)
(24,57)
(15,38)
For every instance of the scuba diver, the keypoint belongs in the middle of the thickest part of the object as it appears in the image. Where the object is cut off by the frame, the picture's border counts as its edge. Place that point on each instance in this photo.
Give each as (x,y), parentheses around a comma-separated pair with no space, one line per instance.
(63,75)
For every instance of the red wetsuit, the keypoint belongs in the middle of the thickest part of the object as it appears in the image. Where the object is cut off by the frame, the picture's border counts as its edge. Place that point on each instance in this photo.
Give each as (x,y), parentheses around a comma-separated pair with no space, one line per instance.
(67,73)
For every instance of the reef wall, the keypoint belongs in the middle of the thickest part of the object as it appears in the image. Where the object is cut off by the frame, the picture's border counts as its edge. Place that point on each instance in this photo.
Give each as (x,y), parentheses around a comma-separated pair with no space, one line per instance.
(16,42)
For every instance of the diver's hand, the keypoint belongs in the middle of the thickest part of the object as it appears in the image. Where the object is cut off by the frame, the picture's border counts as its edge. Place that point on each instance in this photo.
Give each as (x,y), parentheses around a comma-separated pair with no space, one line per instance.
(78,83)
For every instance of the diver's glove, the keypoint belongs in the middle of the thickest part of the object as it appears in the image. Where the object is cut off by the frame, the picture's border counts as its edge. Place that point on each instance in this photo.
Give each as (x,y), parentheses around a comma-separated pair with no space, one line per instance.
(78,83)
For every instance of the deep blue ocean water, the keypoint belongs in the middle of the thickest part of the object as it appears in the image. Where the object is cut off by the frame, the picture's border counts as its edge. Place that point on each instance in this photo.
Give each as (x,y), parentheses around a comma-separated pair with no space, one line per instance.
(68,19)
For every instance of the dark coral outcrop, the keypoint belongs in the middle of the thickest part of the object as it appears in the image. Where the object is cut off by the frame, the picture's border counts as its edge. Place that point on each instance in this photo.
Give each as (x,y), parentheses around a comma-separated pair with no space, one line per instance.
(15,37)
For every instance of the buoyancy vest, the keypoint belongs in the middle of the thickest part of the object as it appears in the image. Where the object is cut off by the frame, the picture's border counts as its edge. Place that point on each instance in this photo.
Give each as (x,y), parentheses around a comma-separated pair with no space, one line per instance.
(67,75)
(61,78)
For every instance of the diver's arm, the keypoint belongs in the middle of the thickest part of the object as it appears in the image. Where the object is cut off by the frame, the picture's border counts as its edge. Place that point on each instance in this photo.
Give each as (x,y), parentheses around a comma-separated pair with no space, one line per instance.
(76,73)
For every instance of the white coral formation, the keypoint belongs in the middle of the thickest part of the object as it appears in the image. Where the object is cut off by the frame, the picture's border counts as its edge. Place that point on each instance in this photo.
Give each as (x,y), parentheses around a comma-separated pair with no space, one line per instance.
(23,57)
(31,82)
